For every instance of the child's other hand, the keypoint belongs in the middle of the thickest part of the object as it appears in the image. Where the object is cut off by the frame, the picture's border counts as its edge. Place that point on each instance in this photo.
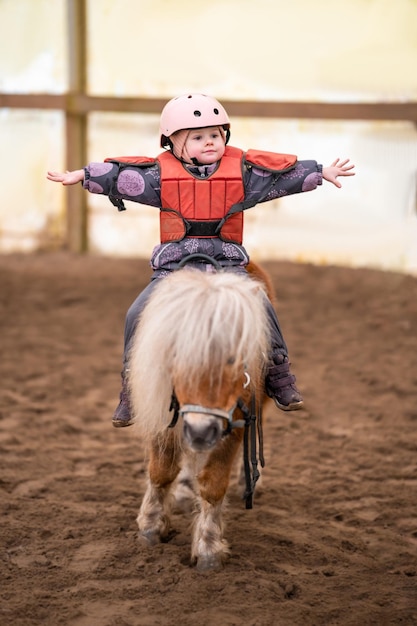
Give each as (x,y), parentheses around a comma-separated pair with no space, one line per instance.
(66,178)
(338,168)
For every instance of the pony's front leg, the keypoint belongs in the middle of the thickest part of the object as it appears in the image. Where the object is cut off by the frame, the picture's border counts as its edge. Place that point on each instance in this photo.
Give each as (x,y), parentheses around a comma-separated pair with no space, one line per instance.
(209,548)
(153,518)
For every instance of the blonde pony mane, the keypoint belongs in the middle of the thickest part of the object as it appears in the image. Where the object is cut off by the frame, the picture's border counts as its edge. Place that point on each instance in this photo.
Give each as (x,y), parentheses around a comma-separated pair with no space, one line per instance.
(193,324)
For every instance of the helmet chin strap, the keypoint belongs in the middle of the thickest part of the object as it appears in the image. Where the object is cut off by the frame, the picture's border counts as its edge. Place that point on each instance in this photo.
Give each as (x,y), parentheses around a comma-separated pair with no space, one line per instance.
(195,161)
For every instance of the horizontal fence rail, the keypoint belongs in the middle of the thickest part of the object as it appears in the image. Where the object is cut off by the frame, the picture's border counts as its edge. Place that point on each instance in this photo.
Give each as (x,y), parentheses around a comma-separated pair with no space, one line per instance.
(81,104)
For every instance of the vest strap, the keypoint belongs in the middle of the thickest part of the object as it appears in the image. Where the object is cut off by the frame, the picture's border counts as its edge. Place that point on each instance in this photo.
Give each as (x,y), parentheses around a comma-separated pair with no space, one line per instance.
(207,228)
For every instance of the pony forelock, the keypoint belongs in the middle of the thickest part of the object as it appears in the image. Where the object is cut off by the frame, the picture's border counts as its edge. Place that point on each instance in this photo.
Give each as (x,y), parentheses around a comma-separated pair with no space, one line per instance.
(193,324)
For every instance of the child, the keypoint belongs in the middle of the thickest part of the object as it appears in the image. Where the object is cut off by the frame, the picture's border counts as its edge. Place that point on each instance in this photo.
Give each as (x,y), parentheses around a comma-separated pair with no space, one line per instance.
(202,186)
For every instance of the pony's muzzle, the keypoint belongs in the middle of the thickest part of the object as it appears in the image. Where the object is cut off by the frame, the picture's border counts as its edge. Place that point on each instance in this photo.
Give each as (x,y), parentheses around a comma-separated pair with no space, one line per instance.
(201,432)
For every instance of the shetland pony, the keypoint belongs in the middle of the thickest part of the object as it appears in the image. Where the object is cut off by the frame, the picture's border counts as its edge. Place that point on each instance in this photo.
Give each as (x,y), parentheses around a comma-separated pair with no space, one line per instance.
(199,355)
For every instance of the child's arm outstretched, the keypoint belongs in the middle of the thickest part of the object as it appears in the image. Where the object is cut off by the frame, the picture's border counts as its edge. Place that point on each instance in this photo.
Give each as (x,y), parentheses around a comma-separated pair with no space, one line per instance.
(66,178)
(337,168)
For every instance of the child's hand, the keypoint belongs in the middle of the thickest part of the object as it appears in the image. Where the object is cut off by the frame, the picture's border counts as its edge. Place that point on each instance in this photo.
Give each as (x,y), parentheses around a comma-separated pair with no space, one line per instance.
(336,169)
(66,178)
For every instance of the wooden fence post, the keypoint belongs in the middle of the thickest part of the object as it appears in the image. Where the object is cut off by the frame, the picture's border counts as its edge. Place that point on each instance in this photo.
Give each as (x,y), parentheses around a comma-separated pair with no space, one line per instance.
(76,125)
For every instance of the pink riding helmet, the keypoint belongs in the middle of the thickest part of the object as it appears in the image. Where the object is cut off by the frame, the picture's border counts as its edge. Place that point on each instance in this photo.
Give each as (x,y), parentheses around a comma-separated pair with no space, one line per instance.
(194,110)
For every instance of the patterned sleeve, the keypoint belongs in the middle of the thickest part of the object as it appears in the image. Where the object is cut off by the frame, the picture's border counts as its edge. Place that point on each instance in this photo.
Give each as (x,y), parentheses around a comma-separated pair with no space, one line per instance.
(305,176)
(124,182)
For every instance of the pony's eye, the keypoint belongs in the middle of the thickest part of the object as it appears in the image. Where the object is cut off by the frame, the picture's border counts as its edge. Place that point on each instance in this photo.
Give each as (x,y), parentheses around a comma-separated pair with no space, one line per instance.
(231,360)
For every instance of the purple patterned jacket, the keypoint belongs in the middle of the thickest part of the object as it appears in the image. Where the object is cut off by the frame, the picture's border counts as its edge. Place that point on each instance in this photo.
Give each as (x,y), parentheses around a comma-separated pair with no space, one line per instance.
(142,184)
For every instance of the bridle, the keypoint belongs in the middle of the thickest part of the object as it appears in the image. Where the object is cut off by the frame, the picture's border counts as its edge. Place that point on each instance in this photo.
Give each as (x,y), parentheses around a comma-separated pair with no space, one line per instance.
(252,422)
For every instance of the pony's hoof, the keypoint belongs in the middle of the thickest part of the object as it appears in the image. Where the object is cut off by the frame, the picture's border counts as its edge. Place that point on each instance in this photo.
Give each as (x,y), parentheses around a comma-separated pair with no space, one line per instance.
(150,537)
(210,563)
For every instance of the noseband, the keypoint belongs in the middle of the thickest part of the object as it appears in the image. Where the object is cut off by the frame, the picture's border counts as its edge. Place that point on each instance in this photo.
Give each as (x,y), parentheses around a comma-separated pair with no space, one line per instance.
(227,416)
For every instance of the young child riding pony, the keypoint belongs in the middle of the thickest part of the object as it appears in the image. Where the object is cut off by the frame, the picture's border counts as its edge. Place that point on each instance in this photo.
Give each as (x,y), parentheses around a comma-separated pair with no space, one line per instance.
(202,186)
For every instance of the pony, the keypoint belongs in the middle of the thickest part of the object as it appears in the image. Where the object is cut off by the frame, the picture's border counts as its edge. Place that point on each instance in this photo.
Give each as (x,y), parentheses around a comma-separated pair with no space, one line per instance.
(197,363)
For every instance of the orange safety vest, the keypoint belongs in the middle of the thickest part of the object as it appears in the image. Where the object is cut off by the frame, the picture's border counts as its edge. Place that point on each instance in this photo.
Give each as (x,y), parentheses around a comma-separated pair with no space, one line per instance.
(208,207)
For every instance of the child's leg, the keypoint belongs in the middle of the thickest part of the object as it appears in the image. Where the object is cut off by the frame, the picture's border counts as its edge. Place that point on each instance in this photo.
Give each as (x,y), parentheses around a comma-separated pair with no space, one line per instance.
(122,415)
(279,382)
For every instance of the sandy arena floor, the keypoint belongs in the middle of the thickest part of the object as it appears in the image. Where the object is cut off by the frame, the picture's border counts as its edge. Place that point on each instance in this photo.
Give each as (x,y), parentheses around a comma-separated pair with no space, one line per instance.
(332,537)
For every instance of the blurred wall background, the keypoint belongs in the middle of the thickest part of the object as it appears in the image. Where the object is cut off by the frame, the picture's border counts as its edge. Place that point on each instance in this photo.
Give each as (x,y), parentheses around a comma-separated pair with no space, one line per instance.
(326,51)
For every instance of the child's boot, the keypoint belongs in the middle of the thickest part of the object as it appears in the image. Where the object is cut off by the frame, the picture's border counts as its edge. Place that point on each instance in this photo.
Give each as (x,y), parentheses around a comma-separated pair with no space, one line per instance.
(122,415)
(280,385)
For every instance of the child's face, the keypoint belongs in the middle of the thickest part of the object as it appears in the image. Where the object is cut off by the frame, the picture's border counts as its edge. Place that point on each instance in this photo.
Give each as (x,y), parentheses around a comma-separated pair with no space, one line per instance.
(205,144)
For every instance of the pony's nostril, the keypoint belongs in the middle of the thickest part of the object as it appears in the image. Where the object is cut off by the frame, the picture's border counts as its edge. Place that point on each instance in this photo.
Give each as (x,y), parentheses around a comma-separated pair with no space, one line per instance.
(213,433)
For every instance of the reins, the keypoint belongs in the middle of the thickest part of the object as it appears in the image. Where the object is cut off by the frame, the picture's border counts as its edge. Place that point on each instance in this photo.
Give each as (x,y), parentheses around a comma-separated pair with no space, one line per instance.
(253,432)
